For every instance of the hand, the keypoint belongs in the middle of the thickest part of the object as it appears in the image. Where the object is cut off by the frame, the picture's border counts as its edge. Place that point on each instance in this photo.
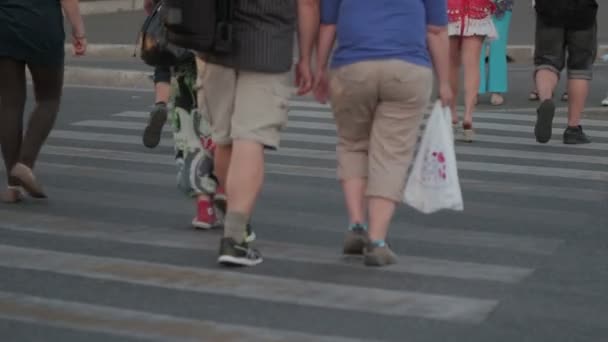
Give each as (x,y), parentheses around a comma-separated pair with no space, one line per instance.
(148,6)
(321,86)
(79,45)
(445,94)
(303,77)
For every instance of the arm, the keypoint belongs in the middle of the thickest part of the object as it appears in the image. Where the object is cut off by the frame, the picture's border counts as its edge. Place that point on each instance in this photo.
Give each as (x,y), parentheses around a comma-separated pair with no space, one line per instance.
(72,12)
(327,38)
(437,40)
(439,45)
(308,26)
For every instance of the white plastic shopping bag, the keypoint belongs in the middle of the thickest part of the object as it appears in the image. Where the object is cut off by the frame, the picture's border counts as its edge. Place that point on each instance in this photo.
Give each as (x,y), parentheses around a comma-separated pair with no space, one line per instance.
(433,182)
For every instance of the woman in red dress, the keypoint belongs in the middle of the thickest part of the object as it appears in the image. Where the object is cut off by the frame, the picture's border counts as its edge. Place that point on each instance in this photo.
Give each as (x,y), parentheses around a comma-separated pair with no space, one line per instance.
(470,23)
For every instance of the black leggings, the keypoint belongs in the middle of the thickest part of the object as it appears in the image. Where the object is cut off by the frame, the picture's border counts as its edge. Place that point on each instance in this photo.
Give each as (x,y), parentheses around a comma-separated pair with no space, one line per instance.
(48,84)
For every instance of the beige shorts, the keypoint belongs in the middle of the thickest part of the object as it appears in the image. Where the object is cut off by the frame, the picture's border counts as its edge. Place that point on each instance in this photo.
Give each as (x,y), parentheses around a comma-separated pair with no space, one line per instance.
(243,105)
(378,107)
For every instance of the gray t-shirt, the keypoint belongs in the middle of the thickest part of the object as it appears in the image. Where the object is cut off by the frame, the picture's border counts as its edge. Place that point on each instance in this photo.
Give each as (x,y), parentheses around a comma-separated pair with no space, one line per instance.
(264,33)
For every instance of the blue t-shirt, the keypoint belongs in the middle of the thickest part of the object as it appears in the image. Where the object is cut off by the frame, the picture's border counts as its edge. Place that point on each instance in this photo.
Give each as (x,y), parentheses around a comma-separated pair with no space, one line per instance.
(382,29)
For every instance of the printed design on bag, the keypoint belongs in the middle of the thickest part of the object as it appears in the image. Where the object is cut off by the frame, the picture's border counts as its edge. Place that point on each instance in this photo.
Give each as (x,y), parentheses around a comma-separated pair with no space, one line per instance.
(434,169)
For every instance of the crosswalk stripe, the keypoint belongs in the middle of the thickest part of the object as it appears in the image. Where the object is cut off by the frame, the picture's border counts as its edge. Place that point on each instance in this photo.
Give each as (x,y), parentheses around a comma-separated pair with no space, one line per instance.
(159,205)
(267,288)
(272,250)
(299,170)
(306,138)
(468,184)
(138,324)
(129,125)
(315,114)
(410,232)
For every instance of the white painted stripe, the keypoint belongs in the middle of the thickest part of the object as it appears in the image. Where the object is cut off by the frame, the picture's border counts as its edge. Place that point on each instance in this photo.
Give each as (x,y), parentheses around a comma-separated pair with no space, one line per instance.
(331,155)
(131,323)
(532,118)
(296,170)
(331,139)
(409,231)
(160,179)
(271,289)
(530,129)
(556,141)
(507,116)
(181,206)
(139,126)
(272,250)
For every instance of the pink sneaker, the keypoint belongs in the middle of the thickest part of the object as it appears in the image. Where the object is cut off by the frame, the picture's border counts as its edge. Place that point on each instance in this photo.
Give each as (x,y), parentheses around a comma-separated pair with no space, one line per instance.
(205,217)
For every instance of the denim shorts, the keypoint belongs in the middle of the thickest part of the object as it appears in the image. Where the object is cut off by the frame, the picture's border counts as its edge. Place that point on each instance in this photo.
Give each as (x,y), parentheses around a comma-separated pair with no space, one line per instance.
(552,44)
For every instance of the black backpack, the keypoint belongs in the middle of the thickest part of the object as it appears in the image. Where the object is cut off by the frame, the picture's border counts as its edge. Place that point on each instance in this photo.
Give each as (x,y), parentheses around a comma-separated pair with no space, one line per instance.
(200,25)
(155,49)
(569,14)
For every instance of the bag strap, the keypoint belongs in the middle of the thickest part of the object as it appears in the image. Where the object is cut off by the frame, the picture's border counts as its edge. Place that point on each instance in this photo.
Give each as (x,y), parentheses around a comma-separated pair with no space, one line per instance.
(225,8)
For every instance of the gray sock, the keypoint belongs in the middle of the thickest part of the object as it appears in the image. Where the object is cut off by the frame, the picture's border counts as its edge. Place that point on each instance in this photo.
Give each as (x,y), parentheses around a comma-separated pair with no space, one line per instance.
(235,226)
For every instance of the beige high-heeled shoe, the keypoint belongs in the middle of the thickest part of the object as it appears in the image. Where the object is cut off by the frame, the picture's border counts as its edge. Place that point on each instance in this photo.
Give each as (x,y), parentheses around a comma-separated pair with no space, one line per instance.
(27,180)
(497,99)
(12,194)
(468,132)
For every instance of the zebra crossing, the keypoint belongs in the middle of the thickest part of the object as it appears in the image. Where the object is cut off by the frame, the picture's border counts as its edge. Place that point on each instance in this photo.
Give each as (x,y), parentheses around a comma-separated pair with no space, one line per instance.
(114,237)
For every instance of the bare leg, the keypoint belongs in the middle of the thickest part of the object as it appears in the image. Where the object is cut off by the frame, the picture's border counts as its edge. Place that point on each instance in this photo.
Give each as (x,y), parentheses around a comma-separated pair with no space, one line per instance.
(455,60)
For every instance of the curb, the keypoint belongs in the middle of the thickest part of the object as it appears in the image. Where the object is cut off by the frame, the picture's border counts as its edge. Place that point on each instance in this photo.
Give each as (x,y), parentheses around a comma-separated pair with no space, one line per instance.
(521,53)
(110,6)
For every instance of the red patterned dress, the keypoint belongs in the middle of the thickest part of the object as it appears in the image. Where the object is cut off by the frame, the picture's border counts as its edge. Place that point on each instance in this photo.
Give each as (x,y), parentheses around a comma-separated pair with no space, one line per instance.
(471,18)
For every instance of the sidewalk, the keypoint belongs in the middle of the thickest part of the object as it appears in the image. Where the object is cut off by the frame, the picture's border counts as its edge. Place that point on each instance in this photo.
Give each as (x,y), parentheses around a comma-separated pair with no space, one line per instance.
(123,26)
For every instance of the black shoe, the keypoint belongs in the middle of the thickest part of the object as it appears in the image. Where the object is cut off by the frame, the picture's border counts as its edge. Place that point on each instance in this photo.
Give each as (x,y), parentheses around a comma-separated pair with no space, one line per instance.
(153,131)
(544,121)
(238,254)
(575,135)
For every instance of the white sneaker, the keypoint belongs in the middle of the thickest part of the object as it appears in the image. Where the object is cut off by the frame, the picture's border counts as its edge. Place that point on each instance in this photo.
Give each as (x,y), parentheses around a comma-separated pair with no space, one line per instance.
(605,102)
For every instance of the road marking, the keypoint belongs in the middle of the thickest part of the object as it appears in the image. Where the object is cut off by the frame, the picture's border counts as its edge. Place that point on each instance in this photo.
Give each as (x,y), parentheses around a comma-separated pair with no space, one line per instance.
(271,289)
(131,323)
(299,170)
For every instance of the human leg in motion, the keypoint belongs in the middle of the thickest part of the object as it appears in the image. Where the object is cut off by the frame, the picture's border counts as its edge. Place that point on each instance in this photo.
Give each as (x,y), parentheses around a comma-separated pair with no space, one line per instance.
(471,50)
(12,103)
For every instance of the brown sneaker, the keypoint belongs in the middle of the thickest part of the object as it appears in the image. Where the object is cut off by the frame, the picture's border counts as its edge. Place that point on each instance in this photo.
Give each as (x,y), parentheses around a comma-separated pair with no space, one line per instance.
(379,255)
(355,240)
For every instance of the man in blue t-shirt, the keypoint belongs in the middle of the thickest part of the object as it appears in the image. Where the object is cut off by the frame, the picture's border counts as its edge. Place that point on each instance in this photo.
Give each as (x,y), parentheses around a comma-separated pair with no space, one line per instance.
(380,85)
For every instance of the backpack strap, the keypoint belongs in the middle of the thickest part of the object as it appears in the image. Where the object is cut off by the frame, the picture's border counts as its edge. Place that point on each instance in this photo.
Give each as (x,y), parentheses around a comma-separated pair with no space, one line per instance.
(223,36)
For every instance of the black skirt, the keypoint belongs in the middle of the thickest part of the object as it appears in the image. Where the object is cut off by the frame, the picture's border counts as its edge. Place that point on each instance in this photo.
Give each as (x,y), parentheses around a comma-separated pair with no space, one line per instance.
(32,31)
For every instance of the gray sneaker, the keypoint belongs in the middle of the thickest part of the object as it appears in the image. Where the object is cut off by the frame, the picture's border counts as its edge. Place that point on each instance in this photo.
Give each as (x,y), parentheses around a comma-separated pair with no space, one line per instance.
(379,256)
(355,240)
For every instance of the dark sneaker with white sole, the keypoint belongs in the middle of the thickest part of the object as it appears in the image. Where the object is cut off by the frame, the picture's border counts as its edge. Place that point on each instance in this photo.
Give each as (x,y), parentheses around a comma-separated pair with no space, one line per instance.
(154,129)
(575,135)
(355,240)
(544,121)
(238,254)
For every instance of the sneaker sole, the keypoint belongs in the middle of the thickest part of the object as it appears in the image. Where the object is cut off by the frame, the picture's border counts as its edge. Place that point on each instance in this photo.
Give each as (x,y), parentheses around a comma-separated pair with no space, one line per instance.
(544,122)
(201,225)
(230,260)
(154,129)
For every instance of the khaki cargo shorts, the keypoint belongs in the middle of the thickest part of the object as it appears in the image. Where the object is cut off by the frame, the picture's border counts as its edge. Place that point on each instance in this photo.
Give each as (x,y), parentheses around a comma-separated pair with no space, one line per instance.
(378,107)
(243,105)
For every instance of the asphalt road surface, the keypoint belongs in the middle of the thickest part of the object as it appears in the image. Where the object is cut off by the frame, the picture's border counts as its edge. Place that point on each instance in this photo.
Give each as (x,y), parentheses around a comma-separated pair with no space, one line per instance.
(111,257)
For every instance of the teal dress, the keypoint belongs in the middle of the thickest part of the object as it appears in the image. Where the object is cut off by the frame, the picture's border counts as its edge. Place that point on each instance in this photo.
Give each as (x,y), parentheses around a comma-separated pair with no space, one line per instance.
(32,31)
